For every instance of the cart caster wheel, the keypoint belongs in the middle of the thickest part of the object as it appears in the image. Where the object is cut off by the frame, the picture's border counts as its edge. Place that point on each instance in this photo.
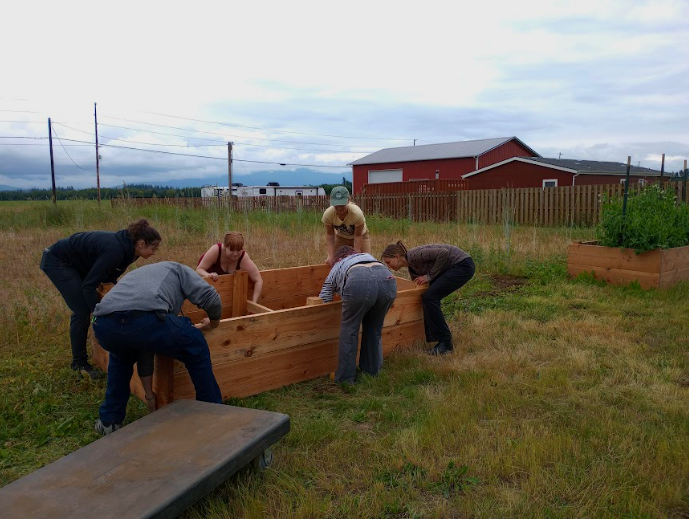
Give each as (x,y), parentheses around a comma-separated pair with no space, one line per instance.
(264,461)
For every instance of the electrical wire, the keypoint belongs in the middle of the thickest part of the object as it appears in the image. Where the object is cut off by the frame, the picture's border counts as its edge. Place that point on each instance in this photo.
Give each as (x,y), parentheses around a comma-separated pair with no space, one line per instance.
(206,156)
(214,133)
(206,145)
(70,157)
(272,130)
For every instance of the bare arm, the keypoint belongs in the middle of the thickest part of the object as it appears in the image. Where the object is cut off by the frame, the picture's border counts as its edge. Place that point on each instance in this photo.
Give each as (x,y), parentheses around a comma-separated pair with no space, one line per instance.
(149,395)
(254,275)
(208,260)
(330,241)
(358,237)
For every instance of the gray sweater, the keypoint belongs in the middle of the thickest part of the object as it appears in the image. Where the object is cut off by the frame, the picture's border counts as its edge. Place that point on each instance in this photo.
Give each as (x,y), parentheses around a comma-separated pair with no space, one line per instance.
(161,287)
(433,260)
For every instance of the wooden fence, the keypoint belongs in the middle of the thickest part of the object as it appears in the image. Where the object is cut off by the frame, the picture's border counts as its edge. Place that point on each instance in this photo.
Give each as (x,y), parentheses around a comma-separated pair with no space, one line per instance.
(556,206)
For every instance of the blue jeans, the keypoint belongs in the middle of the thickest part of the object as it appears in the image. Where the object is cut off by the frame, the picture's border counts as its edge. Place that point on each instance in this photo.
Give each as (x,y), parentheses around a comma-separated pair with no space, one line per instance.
(69,283)
(124,334)
(367,296)
(452,279)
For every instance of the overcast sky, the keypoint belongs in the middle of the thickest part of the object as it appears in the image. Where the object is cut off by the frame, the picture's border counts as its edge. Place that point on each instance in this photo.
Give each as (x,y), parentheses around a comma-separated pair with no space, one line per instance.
(319,84)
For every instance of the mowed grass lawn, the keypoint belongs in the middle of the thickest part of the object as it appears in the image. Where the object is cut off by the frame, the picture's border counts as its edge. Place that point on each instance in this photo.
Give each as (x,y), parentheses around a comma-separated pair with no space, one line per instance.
(564,398)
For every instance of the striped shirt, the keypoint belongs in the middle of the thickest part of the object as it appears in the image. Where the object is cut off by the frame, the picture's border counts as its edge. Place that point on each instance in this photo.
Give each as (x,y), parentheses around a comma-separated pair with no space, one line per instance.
(335,281)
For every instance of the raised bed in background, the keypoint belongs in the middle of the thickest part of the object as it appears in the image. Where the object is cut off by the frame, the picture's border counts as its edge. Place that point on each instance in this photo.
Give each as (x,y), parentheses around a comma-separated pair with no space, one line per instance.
(653,269)
(279,341)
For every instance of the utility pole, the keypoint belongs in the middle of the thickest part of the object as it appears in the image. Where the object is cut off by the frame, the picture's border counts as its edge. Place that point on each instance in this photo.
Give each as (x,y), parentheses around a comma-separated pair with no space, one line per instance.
(559,156)
(95,118)
(626,189)
(52,163)
(662,169)
(684,187)
(229,167)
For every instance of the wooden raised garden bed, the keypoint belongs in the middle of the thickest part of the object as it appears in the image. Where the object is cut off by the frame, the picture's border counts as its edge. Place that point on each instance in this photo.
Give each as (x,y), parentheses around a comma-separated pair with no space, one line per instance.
(282,340)
(653,269)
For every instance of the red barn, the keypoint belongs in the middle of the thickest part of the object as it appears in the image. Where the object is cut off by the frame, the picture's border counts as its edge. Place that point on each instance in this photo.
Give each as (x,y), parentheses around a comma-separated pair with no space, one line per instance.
(543,172)
(434,161)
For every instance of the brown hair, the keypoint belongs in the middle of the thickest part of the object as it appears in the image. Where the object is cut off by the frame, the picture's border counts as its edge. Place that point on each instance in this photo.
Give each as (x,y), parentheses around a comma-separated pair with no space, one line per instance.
(142,230)
(234,240)
(343,252)
(395,249)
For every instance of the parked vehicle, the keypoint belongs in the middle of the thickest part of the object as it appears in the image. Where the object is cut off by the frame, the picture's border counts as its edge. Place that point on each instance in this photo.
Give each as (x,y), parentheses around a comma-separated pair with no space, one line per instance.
(269,190)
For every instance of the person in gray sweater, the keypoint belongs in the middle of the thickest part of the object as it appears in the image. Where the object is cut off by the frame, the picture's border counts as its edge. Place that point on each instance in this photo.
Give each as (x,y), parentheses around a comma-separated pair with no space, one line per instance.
(445,268)
(140,315)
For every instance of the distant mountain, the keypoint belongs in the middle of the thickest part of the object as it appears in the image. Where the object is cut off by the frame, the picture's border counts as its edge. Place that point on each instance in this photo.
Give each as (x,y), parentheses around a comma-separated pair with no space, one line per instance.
(7,188)
(300,177)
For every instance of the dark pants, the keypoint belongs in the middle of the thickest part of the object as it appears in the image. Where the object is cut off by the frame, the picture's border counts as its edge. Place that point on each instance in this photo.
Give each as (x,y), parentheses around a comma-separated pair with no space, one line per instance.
(453,278)
(69,283)
(367,296)
(130,332)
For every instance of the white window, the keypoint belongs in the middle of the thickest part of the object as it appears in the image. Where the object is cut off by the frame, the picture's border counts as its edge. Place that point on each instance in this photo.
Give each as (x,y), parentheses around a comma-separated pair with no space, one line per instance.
(622,181)
(384,176)
(642,181)
(549,182)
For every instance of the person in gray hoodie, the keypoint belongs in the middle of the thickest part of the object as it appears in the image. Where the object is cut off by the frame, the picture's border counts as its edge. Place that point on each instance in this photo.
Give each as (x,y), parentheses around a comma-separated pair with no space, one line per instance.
(139,316)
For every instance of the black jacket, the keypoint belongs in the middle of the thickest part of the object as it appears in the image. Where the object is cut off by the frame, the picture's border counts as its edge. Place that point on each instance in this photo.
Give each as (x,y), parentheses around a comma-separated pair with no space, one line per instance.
(98,256)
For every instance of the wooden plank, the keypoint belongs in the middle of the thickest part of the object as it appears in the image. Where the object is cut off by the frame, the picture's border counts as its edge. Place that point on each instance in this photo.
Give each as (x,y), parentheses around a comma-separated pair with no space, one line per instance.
(239,293)
(288,282)
(256,336)
(255,308)
(617,276)
(674,259)
(251,376)
(613,258)
(155,467)
(671,277)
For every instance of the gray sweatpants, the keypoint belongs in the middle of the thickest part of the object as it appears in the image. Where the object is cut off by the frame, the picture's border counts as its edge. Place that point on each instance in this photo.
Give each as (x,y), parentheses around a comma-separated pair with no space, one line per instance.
(367,296)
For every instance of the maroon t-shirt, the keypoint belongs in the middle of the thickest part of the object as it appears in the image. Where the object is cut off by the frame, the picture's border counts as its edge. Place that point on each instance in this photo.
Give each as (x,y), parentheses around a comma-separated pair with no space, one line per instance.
(216,267)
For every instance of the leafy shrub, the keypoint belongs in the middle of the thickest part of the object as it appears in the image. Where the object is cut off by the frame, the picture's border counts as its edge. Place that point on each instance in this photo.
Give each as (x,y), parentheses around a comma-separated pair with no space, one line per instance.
(654,220)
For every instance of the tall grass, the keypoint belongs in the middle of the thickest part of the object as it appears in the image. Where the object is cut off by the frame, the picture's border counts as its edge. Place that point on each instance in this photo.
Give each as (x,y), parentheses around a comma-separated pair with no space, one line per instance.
(564,398)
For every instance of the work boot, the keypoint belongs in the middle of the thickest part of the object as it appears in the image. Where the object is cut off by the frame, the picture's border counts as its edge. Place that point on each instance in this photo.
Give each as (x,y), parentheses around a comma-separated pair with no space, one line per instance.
(442,348)
(88,369)
(105,428)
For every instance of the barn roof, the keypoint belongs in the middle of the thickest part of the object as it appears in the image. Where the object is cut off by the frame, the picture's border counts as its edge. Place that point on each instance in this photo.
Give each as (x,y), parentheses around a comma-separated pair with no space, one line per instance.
(579,167)
(448,150)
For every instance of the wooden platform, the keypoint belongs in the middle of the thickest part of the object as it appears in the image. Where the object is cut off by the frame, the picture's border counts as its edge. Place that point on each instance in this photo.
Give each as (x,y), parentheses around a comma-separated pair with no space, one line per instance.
(279,341)
(155,467)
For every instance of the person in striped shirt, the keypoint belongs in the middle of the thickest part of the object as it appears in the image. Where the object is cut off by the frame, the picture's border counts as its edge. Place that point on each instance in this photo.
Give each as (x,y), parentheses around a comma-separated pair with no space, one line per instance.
(367,289)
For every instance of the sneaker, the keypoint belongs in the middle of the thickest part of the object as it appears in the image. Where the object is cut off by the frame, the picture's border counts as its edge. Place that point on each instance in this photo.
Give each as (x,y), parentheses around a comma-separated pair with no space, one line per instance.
(89,370)
(105,428)
(442,348)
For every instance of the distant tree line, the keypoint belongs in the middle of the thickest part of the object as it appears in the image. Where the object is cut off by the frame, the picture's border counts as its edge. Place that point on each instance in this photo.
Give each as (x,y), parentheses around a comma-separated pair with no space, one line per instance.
(91,193)
(129,191)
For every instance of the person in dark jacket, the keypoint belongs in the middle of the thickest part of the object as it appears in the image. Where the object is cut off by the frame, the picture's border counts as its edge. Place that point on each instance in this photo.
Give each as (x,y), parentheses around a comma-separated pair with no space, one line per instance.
(140,315)
(445,268)
(79,264)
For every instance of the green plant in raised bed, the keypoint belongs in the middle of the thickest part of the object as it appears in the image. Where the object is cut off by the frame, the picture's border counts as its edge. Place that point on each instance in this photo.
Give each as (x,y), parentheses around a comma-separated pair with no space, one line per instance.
(654,220)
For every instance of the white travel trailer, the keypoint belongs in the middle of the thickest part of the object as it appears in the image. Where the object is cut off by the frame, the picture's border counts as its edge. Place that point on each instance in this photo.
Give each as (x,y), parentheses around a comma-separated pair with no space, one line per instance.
(270,190)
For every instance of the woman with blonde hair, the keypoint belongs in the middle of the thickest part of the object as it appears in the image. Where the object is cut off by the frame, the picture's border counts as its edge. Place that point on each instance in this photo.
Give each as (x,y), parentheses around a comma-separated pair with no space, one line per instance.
(228,257)
(445,268)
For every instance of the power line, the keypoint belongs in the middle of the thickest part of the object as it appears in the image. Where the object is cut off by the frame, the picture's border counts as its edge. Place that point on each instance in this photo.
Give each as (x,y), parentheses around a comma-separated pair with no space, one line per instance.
(271,130)
(206,156)
(205,145)
(70,157)
(23,137)
(214,133)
